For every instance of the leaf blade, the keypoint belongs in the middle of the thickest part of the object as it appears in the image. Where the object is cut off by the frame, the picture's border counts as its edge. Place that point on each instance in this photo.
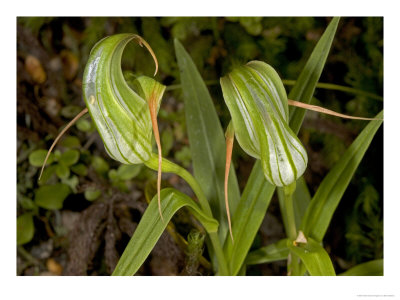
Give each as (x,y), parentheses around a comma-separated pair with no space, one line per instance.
(273,252)
(302,91)
(370,268)
(207,144)
(307,81)
(52,196)
(322,206)
(25,228)
(248,217)
(151,227)
(314,257)
(301,200)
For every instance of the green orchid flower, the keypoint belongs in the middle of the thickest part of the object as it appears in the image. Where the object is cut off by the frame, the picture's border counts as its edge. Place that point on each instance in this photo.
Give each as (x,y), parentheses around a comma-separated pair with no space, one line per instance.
(258,104)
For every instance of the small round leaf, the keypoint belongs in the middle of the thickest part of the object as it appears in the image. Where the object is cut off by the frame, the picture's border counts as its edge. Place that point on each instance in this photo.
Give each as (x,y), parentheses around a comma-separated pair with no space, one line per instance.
(70,111)
(72,182)
(112,175)
(79,169)
(62,171)
(69,157)
(127,172)
(36,158)
(26,203)
(47,174)
(167,141)
(71,142)
(84,125)
(100,165)
(52,196)
(25,228)
(92,194)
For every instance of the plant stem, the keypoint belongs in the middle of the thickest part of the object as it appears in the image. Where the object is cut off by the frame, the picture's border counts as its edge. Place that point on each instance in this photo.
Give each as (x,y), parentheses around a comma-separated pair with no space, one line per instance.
(320,85)
(288,192)
(222,265)
(170,167)
(340,88)
(293,260)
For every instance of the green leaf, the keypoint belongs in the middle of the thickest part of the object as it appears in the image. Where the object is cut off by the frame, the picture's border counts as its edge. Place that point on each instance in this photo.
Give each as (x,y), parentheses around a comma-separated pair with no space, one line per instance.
(305,85)
(92,194)
(301,200)
(112,175)
(370,268)
(274,252)
(248,217)
(84,125)
(47,174)
(70,111)
(25,228)
(207,142)
(100,165)
(26,202)
(151,227)
(72,182)
(36,158)
(62,171)
(323,205)
(70,142)
(167,141)
(69,157)
(302,91)
(127,172)
(51,196)
(184,156)
(314,257)
(79,169)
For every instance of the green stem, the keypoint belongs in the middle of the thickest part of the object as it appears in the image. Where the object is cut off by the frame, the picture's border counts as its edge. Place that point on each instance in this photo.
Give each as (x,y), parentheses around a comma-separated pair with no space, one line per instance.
(340,88)
(320,85)
(288,192)
(170,167)
(222,265)
(293,260)
(179,86)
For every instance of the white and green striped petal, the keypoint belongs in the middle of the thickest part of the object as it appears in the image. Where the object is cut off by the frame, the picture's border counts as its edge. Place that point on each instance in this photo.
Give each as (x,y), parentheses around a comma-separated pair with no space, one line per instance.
(120,114)
(257,101)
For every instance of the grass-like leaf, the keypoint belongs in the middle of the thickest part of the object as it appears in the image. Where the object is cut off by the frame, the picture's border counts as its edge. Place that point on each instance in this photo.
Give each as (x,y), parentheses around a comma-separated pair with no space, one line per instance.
(151,227)
(307,81)
(370,268)
(323,205)
(314,257)
(273,252)
(207,141)
(303,91)
(301,200)
(248,217)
